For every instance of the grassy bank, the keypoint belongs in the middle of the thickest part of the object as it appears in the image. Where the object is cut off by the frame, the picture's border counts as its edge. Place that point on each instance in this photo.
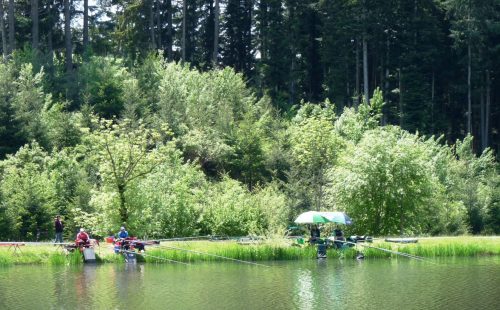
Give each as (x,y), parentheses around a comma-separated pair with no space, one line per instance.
(449,246)
(38,255)
(196,251)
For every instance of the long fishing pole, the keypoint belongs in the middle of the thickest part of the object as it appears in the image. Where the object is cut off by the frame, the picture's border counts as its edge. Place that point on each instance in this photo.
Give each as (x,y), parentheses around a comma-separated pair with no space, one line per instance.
(156,257)
(183,238)
(214,255)
(14,243)
(389,251)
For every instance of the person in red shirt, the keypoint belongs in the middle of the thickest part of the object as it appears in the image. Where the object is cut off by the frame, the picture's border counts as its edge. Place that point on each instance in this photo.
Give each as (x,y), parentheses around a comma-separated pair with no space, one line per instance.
(82,238)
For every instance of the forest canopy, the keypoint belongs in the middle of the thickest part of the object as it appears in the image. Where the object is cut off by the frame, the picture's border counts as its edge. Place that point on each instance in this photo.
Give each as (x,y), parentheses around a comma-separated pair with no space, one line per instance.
(231,117)
(210,157)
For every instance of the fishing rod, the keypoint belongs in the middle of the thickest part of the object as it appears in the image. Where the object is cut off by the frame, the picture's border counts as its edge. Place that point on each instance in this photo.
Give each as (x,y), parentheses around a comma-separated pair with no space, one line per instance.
(214,255)
(389,251)
(212,237)
(14,243)
(184,238)
(156,257)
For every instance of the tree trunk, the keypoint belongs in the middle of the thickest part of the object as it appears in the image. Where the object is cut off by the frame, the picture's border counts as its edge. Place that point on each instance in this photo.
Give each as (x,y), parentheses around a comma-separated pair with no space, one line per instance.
(2,29)
(347,82)
(320,189)
(469,99)
(183,40)
(151,22)
(67,36)
(433,89)
(85,25)
(292,81)
(482,131)
(365,70)
(50,44)
(12,32)
(386,84)
(487,111)
(216,33)
(401,220)
(123,207)
(35,24)
(169,30)
(401,112)
(158,23)
(263,8)
(356,101)
(387,55)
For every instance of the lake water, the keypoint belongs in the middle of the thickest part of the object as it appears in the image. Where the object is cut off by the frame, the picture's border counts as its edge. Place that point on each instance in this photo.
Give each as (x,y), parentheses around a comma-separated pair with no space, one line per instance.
(329,284)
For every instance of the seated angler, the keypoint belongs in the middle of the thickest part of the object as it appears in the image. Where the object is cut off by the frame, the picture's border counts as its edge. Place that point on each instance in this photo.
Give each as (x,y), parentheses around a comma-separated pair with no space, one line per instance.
(123,235)
(82,238)
(315,234)
(339,239)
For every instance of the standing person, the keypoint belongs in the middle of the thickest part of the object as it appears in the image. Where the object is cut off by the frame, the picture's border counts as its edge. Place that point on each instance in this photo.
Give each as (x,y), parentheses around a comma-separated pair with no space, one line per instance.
(59,227)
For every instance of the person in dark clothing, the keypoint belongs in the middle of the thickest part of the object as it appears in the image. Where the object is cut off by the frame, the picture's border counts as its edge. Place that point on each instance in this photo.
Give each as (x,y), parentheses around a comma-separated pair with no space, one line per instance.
(339,238)
(315,234)
(59,227)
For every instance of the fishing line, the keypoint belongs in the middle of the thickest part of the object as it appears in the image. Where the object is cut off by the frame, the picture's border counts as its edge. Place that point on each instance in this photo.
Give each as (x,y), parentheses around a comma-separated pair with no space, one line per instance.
(214,255)
(156,257)
(390,251)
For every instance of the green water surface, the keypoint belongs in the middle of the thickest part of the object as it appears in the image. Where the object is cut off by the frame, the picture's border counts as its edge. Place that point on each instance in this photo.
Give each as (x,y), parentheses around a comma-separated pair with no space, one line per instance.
(328,284)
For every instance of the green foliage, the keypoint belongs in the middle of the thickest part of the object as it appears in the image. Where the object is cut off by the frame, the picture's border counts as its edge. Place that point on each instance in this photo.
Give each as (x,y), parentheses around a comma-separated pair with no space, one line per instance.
(476,185)
(169,201)
(231,210)
(10,135)
(61,128)
(125,151)
(215,118)
(249,140)
(27,193)
(352,124)
(231,165)
(28,103)
(72,189)
(102,83)
(314,147)
(386,183)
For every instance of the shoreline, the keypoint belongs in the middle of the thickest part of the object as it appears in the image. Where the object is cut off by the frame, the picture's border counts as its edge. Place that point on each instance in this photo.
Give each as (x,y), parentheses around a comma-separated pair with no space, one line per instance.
(267,250)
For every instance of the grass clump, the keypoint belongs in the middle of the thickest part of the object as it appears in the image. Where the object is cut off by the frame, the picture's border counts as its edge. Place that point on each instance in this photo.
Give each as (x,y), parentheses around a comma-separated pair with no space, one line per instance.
(6,259)
(450,247)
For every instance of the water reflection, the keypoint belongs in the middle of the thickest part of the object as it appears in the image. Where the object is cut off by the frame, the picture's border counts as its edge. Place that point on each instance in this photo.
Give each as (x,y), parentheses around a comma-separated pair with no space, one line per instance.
(305,289)
(344,284)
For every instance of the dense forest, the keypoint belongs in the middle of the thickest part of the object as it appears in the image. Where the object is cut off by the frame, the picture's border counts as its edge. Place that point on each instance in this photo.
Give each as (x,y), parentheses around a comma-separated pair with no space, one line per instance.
(231,117)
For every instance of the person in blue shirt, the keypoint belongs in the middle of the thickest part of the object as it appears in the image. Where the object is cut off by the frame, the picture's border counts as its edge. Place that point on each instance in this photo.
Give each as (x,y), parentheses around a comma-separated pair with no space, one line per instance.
(122,236)
(123,233)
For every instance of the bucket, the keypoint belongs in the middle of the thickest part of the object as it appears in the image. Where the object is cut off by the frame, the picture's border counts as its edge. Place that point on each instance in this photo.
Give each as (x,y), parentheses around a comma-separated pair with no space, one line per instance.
(110,239)
(117,249)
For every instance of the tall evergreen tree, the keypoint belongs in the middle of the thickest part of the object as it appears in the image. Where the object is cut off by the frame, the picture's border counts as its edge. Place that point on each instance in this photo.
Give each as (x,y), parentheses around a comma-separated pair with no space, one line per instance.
(237,50)
(3,32)
(35,28)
